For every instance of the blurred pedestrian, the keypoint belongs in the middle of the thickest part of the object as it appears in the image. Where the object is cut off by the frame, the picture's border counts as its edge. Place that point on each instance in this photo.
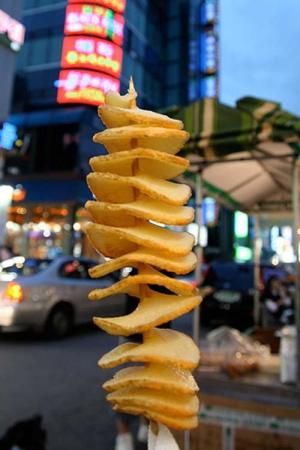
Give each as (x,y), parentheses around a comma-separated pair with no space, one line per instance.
(277,303)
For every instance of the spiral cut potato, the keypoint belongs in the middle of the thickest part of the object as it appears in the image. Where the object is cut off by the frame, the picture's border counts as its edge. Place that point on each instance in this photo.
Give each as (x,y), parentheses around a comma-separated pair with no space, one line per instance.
(133,196)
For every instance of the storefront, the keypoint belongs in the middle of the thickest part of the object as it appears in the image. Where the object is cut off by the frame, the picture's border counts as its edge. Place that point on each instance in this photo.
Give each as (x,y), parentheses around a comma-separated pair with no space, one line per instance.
(45,221)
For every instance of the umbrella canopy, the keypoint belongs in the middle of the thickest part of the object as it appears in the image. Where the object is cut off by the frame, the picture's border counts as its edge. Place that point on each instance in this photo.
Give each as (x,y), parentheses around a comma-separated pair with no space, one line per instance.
(245,154)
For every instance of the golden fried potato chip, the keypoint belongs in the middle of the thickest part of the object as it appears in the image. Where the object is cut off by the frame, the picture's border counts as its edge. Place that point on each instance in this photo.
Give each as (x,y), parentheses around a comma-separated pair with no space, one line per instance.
(146,275)
(160,346)
(108,244)
(114,241)
(171,421)
(154,309)
(108,187)
(115,116)
(162,260)
(132,136)
(123,101)
(110,214)
(164,402)
(150,162)
(154,376)
(125,214)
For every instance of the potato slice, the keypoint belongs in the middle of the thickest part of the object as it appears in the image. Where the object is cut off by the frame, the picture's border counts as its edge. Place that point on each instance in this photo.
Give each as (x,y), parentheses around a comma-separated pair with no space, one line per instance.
(154,376)
(157,138)
(123,101)
(115,116)
(150,162)
(183,405)
(119,189)
(113,241)
(154,309)
(124,214)
(108,243)
(179,265)
(171,421)
(160,346)
(112,188)
(146,275)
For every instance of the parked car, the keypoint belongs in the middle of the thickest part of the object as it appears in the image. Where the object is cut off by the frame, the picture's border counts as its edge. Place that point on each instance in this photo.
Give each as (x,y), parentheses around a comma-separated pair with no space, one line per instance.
(231,301)
(51,295)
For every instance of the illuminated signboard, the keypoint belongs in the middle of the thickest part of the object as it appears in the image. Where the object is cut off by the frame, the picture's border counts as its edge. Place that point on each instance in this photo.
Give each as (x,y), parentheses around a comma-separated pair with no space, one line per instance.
(116,5)
(12,32)
(94,20)
(91,53)
(84,86)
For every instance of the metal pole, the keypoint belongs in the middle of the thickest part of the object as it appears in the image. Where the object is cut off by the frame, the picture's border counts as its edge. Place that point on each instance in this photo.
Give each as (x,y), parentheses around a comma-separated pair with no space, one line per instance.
(198,277)
(199,254)
(296,223)
(257,256)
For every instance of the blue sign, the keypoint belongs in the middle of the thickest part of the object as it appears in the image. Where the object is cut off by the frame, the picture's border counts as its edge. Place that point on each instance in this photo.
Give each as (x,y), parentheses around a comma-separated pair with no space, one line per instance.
(8,136)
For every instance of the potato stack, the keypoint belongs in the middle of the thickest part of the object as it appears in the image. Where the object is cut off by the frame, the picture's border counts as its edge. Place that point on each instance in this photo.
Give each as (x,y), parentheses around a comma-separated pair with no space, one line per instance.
(134,200)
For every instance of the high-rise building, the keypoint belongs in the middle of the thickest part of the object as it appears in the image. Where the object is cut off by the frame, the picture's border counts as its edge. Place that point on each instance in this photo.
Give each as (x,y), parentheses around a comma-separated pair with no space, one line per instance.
(74,51)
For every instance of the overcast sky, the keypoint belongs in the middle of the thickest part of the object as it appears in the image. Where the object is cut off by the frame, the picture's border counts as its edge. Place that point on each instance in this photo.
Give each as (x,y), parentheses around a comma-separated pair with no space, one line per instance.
(260,51)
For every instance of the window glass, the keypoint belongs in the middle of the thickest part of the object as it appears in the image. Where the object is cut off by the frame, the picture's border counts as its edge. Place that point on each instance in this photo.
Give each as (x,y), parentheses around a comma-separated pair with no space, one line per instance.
(173,74)
(128,67)
(39,51)
(22,57)
(132,12)
(173,49)
(174,28)
(55,45)
(73,269)
(29,4)
(172,97)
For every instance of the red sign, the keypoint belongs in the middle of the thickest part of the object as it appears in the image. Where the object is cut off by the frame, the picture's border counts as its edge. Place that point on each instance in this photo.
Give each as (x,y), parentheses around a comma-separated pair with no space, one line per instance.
(13,29)
(84,86)
(94,20)
(91,53)
(115,5)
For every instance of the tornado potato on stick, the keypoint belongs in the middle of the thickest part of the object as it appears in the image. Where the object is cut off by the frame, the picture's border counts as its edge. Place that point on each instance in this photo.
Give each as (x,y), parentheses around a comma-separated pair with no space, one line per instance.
(133,195)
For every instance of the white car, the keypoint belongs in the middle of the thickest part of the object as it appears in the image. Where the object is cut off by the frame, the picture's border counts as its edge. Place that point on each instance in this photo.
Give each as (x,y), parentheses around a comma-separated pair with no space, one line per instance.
(52,295)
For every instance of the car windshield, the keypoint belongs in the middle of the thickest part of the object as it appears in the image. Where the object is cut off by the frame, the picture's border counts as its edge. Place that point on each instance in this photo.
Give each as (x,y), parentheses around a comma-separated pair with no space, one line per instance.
(24,267)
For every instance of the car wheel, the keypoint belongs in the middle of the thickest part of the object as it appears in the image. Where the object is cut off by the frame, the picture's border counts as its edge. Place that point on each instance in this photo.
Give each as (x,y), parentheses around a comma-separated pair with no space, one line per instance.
(60,322)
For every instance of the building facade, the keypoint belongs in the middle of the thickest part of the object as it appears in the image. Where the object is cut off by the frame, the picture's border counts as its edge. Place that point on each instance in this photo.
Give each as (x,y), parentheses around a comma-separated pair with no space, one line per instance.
(73,51)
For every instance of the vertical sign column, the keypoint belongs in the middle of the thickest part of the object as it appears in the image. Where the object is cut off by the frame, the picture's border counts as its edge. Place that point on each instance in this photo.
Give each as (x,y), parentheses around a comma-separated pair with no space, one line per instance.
(92,54)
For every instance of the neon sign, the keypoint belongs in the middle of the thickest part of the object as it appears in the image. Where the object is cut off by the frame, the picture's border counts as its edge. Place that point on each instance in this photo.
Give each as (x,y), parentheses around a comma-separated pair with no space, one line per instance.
(84,86)
(91,53)
(12,32)
(94,20)
(115,5)
(92,56)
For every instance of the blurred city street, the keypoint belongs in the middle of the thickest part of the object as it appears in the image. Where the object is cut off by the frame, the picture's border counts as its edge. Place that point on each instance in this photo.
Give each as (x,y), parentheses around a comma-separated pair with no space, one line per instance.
(61,381)
(149,179)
